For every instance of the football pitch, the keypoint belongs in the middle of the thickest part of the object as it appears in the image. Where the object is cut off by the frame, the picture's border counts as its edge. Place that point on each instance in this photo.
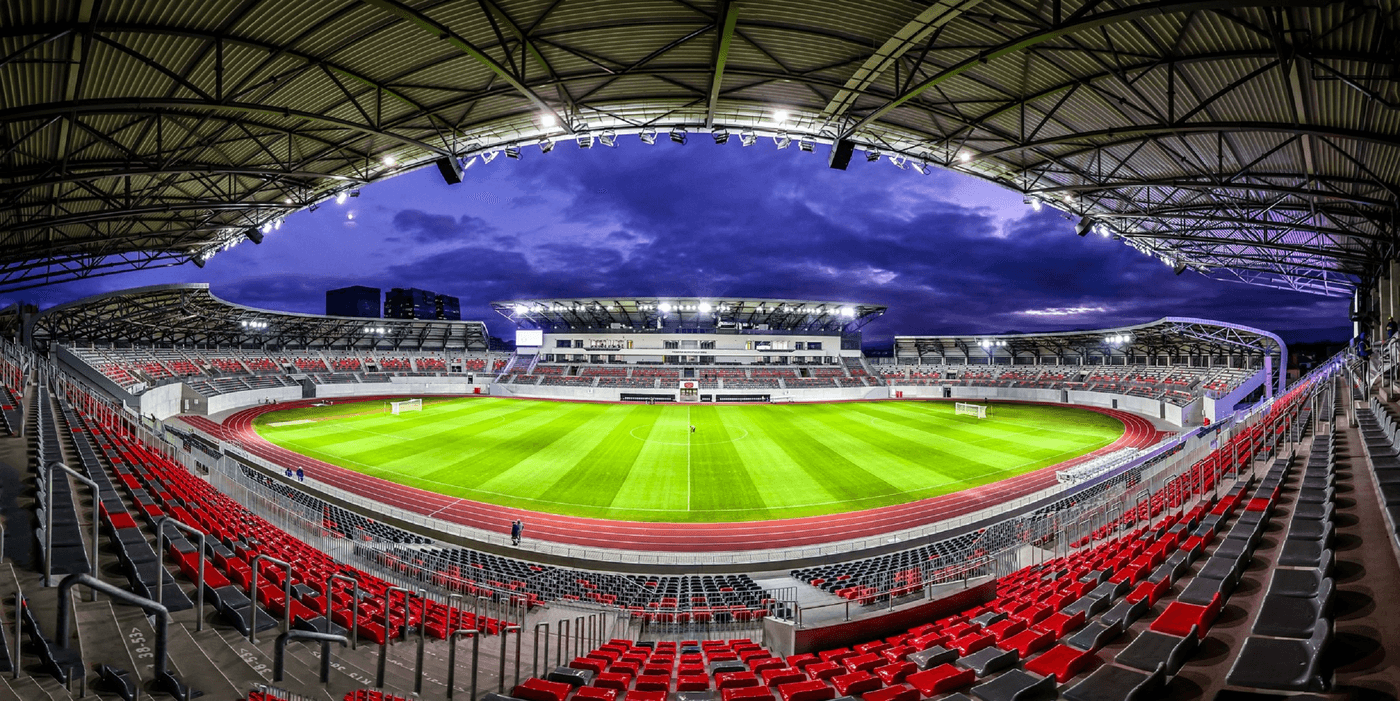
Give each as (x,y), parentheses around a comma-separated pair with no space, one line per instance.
(644,463)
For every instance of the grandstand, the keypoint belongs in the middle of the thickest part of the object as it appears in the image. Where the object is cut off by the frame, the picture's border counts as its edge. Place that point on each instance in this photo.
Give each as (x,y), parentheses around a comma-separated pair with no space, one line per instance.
(1239,548)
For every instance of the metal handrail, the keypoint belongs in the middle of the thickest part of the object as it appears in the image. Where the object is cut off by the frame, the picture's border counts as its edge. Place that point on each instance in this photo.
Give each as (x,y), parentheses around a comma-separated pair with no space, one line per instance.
(280,651)
(388,630)
(253,594)
(65,604)
(422,632)
(535,665)
(452,658)
(354,604)
(162,543)
(506,630)
(48,519)
(19,620)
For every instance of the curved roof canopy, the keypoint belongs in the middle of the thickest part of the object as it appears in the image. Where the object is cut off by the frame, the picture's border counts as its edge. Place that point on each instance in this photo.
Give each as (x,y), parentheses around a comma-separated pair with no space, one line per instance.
(1256,140)
(191,314)
(674,313)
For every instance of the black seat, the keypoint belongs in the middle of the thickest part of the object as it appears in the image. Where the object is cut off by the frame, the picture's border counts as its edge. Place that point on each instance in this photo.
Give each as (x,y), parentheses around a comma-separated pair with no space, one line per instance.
(573,677)
(1284,616)
(1094,636)
(1015,685)
(1152,649)
(1289,665)
(1124,612)
(1114,683)
(988,660)
(932,657)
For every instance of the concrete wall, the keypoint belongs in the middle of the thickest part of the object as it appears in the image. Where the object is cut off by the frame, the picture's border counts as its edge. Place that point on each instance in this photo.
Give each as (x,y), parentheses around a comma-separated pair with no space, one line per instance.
(162,402)
(613,394)
(1138,405)
(233,400)
(396,387)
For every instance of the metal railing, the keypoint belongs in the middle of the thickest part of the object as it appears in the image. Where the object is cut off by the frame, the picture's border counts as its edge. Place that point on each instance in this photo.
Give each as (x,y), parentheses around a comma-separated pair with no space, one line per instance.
(162,544)
(279,653)
(48,518)
(253,593)
(62,629)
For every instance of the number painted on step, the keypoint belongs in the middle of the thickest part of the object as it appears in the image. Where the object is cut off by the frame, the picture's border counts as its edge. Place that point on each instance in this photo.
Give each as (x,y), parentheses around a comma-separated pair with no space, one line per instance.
(136,642)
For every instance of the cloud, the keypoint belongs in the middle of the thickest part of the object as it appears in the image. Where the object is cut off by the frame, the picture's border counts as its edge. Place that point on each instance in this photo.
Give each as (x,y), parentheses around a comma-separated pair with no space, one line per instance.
(423,227)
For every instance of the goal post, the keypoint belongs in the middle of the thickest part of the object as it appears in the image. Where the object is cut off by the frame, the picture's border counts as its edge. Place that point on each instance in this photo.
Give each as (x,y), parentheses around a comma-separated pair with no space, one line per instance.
(978,410)
(400,407)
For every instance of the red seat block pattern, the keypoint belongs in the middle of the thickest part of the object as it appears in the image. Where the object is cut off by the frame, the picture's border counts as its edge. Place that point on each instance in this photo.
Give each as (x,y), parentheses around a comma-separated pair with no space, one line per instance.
(940,679)
(534,689)
(811,690)
(595,693)
(1182,619)
(742,693)
(1061,661)
(856,683)
(1028,642)
(898,692)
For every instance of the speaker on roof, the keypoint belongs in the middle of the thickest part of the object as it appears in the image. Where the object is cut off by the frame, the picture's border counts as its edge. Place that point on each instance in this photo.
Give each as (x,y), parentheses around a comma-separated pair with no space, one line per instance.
(841,153)
(451,172)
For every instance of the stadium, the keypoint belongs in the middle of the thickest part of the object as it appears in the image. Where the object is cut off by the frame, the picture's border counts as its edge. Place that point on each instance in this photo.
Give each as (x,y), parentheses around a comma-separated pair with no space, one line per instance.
(692,495)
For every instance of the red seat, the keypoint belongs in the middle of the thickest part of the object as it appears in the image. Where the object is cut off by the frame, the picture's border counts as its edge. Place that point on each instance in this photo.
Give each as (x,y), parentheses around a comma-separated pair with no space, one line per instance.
(781,675)
(1061,661)
(896,672)
(758,664)
(801,661)
(734,680)
(588,663)
(534,689)
(694,682)
(898,692)
(940,679)
(862,663)
(1061,624)
(1149,591)
(595,693)
(742,693)
(627,667)
(834,655)
(1034,614)
(973,642)
(654,682)
(1181,619)
(1005,628)
(810,690)
(647,695)
(897,653)
(613,680)
(824,670)
(855,683)
(1028,641)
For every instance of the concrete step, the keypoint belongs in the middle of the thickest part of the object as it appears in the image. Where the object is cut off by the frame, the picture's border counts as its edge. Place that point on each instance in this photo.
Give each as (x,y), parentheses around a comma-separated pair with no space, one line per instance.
(24,688)
(254,663)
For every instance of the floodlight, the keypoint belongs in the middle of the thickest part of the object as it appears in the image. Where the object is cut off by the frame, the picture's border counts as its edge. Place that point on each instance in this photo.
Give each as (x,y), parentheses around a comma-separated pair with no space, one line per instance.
(287,201)
(872,155)
(354,193)
(678,135)
(390,161)
(665,307)
(267,228)
(848,312)
(806,145)
(1084,225)
(608,138)
(468,163)
(278,225)
(585,140)
(964,156)
(747,137)
(898,162)
(782,141)
(920,166)
(720,134)
(705,308)
(513,153)
(546,145)
(521,309)
(340,197)
(648,136)
(349,215)
(489,156)
(547,120)
(780,116)
(1179,268)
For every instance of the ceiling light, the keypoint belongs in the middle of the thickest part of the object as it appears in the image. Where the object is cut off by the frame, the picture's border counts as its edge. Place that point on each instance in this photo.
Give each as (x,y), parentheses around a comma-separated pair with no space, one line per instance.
(548,121)
(782,141)
(340,197)
(872,155)
(678,135)
(806,145)
(513,153)
(390,161)
(720,134)
(585,140)
(1035,203)
(489,156)
(546,145)
(468,163)
(705,308)
(648,136)
(747,137)
(608,138)
(780,116)
(964,156)
(898,162)
(920,166)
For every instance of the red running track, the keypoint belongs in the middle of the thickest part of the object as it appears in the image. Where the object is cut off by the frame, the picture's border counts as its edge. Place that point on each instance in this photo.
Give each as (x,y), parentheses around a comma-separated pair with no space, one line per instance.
(671,537)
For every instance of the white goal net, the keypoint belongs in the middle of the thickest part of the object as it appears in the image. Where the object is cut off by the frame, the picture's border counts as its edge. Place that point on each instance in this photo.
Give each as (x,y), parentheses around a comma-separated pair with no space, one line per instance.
(978,410)
(397,408)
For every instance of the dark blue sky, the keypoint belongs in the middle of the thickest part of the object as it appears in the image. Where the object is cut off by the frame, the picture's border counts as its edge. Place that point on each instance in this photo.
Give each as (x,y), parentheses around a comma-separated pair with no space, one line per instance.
(947,252)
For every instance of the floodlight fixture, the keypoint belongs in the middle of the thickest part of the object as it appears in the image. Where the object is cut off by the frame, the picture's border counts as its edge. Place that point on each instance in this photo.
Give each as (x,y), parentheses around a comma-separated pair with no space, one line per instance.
(278,225)
(546,145)
(648,136)
(585,140)
(806,145)
(1035,203)
(705,308)
(678,135)
(1179,268)
(920,166)
(720,134)
(782,141)
(341,196)
(899,162)
(547,120)
(665,307)
(513,153)
(468,163)
(390,161)
(287,200)
(848,312)
(964,156)
(747,137)
(489,156)
(1084,225)
(780,116)
(608,138)
(521,309)
(267,228)
(872,155)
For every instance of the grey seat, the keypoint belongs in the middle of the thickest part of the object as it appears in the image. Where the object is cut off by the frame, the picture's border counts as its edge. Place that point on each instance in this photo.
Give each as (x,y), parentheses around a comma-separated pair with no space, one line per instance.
(1096,576)
(1125,612)
(989,618)
(988,660)
(1203,589)
(1114,683)
(727,666)
(1305,553)
(1304,583)
(1015,685)
(1294,616)
(1151,649)
(1234,545)
(573,677)
(1225,567)
(1289,665)
(925,659)
(1316,496)
(1310,529)
(1094,636)
(701,696)
(1090,604)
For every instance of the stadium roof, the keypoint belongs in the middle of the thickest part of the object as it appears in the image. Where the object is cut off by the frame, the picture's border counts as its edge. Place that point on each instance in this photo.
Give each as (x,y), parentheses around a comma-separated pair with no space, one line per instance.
(1255,140)
(1168,335)
(670,313)
(191,314)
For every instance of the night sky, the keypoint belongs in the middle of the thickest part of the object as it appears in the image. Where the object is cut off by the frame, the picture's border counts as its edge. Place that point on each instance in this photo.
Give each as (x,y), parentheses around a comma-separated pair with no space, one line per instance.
(947,252)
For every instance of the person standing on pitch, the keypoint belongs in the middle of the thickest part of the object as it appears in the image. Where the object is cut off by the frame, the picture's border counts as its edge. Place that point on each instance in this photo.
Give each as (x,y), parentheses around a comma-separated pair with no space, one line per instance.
(516,527)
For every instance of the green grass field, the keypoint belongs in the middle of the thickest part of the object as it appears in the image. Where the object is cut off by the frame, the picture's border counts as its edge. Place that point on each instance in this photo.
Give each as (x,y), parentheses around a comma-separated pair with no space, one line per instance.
(639,462)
